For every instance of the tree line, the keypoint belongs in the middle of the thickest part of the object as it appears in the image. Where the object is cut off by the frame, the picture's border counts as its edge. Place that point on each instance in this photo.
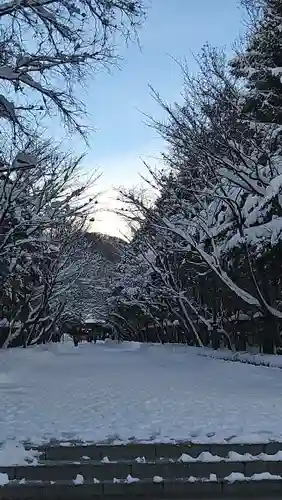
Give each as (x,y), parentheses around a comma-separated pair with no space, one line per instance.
(48,47)
(204,264)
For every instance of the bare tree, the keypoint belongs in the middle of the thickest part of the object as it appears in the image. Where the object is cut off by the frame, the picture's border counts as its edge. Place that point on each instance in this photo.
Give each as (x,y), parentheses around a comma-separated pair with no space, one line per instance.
(47,46)
(41,214)
(220,204)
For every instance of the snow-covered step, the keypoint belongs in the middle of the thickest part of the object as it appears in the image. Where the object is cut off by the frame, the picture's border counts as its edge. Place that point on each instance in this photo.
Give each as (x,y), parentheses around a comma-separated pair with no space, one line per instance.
(104,470)
(209,489)
(151,451)
(150,470)
(72,451)
(220,469)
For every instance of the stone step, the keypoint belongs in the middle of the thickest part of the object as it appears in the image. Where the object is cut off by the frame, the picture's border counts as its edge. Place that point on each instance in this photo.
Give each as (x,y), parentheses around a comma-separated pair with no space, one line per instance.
(151,451)
(55,471)
(266,489)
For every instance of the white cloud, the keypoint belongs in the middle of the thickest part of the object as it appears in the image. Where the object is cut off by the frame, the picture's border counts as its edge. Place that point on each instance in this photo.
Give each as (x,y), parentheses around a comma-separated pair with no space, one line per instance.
(106,221)
(116,172)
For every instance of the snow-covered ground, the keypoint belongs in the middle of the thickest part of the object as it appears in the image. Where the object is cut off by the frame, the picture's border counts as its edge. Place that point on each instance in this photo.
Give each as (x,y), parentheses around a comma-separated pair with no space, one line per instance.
(253,358)
(132,391)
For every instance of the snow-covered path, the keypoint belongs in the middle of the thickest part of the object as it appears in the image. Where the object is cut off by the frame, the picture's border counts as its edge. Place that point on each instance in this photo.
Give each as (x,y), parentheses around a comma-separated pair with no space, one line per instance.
(96,392)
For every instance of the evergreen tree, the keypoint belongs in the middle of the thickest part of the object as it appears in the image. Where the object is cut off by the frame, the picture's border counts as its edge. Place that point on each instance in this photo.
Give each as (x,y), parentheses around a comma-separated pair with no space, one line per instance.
(261,62)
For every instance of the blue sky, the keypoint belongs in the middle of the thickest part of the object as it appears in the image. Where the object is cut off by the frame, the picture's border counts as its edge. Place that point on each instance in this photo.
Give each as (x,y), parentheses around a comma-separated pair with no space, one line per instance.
(115,102)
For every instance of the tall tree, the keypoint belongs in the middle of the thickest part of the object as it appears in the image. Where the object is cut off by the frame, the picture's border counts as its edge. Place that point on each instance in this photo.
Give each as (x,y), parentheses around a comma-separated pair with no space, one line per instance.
(260,63)
(47,46)
(41,211)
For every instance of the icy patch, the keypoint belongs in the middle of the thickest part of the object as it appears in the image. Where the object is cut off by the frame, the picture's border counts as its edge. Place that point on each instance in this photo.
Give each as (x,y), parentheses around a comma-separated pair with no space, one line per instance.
(265,476)
(131,479)
(206,456)
(186,458)
(213,478)
(78,480)
(277,457)
(262,476)
(235,476)
(23,481)
(158,479)
(233,456)
(105,460)
(4,479)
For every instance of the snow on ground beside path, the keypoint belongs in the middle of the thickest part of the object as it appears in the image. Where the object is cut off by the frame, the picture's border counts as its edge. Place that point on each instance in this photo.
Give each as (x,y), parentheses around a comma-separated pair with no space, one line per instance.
(270,360)
(134,391)
(4,479)
(12,453)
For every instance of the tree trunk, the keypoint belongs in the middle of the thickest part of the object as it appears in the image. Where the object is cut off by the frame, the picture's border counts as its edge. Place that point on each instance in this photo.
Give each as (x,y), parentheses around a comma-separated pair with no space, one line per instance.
(269,335)
(215,338)
(240,342)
